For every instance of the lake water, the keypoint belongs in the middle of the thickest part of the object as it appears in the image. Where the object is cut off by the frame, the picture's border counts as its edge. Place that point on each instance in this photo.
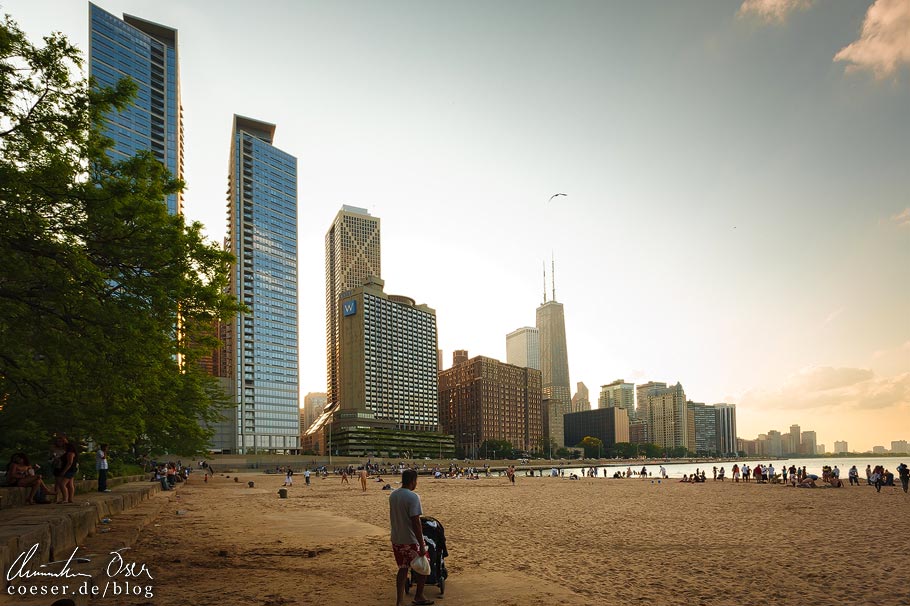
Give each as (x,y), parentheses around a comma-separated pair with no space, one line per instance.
(677,470)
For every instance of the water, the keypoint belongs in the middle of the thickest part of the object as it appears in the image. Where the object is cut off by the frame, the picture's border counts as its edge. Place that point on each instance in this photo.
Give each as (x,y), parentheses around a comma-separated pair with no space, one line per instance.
(677,470)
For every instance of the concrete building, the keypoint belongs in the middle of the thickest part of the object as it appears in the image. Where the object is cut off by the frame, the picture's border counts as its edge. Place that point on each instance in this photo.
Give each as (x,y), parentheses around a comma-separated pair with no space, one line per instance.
(581,401)
(484,399)
(552,413)
(725,429)
(638,432)
(702,427)
(260,347)
(879,450)
(840,447)
(643,393)
(668,419)
(609,425)
(352,255)
(775,446)
(808,443)
(313,405)
(523,347)
(618,394)
(794,445)
(820,449)
(899,447)
(147,53)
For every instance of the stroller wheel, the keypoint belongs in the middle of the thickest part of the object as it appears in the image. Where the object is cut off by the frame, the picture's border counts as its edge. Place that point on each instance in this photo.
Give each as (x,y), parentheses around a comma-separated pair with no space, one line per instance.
(442,585)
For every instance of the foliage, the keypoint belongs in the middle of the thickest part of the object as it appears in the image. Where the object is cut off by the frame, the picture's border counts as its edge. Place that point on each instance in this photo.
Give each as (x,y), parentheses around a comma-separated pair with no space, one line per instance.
(96,277)
(546,446)
(493,449)
(592,446)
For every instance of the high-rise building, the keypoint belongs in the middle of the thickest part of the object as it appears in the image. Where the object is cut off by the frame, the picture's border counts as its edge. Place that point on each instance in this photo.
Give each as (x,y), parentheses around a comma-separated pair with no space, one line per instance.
(775,444)
(808,443)
(618,394)
(261,345)
(313,405)
(523,347)
(879,450)
(725,428)
(668,418)
(702,428)
(899,447)
(820,449)
(643,393)
(554,358)
(484,399)
(794,443)
(840,447)
(352,255)
(581,400)
(146,52)
(609,425)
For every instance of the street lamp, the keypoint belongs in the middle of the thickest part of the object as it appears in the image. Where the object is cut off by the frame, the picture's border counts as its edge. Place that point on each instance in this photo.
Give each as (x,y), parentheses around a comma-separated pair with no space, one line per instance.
(473,451)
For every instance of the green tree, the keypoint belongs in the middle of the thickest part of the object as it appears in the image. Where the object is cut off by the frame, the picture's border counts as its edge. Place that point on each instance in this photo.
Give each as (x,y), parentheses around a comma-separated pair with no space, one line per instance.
(592,446)
(547,447)
(625,450)
(102,294)
(493,449)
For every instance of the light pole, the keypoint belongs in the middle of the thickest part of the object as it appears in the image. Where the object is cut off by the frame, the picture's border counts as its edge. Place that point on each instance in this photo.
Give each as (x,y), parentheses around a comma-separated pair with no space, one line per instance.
(473,451)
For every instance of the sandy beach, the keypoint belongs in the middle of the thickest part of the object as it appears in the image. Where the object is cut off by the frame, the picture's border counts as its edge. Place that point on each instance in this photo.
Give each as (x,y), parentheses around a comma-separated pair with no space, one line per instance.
(543,541)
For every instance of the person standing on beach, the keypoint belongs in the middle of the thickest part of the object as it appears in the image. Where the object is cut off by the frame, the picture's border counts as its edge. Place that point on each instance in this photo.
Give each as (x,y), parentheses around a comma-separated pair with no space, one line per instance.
(869,475)
(363,479)
(904,472)
(306,476)
(407,535)
(511,473)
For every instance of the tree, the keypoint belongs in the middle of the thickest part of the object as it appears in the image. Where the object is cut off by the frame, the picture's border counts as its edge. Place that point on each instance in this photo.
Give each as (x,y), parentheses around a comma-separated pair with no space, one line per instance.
(592,446)
(625,450)
(547,446)
(496,448)
(106,301)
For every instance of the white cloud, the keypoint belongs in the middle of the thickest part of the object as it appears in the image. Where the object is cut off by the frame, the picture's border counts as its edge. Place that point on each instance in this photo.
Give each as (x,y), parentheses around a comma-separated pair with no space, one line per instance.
(884,42)
(772,11)
(829,388)
(902,218)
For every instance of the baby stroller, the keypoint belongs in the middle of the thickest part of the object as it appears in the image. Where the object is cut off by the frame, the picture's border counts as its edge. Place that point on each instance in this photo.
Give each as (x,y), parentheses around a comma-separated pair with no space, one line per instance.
(435,536)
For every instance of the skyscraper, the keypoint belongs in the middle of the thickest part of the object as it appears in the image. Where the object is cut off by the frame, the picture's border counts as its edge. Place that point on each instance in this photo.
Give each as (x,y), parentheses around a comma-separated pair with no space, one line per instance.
(793,444)
(643,393)
(352,255)
(581,400)
(146,52)
(702,428)
(725,427)
(523,347)
(618,394)
(668,418)
(554,358)
(313,405)
(809,443)
(841,447)
(261,345)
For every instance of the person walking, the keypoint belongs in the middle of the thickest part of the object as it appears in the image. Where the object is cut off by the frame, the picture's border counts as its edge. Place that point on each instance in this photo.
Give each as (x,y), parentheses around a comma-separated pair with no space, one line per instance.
(407,536)
(904,472)
(363,479)
(101,466)
(306,476)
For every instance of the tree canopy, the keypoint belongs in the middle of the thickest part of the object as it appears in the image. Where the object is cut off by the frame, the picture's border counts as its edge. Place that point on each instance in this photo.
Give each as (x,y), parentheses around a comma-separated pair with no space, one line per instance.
(107,302)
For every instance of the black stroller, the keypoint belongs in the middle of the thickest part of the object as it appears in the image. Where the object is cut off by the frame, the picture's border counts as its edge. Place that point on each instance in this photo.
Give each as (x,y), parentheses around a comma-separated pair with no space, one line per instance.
(435,536)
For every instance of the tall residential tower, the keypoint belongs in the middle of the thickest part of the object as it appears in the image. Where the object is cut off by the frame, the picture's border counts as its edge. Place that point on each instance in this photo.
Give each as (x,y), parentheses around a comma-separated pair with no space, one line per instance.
(146,52)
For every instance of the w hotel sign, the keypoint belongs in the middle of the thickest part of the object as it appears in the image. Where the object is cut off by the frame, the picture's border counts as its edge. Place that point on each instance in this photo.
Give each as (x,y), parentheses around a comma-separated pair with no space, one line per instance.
(349,308)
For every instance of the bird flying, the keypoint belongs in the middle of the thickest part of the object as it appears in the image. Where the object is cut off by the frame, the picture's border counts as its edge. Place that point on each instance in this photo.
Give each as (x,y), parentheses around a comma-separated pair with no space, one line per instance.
(554,196)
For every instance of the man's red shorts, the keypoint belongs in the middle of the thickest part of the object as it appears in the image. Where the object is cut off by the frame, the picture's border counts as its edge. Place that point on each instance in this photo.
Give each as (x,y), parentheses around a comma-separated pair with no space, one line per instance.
(404,554)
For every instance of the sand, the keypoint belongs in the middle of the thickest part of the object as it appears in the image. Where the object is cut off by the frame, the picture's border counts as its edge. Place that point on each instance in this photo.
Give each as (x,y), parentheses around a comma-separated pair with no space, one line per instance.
(543,541)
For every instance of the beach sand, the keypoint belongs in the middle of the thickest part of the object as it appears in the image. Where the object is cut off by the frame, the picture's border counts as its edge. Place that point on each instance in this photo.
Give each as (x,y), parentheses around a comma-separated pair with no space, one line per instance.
(543,541)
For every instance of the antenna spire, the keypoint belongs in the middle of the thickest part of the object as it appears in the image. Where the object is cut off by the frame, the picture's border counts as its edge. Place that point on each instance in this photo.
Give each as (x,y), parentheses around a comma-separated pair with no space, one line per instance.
(544,263)
(553,273)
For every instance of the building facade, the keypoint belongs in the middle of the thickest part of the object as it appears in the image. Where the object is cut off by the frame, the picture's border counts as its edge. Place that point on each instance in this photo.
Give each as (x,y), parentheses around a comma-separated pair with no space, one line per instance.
(702,428)
(809,443)
(352,254)
(840,447)
(609,425)
(618,394)
(581,400)
(261,346)
(484,399)
(725,429)
(899,447)
(523,347)
(643,394)
(668,418)
(313,405)
(146,52)
(794,442)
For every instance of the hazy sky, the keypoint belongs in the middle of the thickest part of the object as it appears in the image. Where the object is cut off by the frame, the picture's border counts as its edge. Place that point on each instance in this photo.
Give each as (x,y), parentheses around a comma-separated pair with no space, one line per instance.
(738,179)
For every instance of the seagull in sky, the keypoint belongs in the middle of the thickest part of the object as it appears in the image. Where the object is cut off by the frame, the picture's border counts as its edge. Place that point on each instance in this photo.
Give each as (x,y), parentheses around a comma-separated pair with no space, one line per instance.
(554,196)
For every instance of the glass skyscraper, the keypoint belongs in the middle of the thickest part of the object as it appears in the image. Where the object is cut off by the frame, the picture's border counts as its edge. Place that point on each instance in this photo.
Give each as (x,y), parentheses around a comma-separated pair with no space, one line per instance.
(147,53)
(261,346)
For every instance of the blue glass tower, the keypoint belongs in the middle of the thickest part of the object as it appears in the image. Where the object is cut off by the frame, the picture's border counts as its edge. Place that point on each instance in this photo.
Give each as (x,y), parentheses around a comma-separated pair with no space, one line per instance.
(261,345)
(147,53)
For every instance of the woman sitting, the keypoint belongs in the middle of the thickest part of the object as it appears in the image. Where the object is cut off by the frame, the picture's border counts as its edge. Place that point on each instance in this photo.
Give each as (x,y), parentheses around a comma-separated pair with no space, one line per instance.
(19,473)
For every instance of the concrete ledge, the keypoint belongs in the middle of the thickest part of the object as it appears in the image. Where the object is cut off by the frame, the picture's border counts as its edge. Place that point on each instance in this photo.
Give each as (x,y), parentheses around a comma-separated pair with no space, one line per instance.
(58,529)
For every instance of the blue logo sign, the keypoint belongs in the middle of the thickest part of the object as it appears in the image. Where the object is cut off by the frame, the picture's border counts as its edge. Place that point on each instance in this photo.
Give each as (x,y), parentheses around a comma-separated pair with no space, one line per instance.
(349,308)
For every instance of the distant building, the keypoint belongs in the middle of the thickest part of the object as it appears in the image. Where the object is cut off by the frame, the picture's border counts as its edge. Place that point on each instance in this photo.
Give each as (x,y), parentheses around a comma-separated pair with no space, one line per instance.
(609,425)
(725,429)
(840,447)
(313,405)
(793,444)
(552,412)
(580,400)
(899,447)
(618,394)
(820,449)
(775,446)
(554,358)
(808,443)
(484,399)
(668,418)
(523,347)
(702,427)
(879,450)
(643,393)
(459,356)
(638,432)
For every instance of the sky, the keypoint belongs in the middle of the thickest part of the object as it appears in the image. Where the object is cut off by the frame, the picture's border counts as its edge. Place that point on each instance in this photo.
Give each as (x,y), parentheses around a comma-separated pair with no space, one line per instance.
(737,173)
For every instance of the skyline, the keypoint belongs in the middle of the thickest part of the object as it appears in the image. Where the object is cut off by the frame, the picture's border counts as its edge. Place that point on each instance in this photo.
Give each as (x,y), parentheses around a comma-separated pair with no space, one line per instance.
(736,176)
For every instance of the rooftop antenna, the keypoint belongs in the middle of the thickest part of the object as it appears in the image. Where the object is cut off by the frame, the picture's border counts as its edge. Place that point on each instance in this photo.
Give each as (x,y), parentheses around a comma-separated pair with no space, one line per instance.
(544,264)
(553,273)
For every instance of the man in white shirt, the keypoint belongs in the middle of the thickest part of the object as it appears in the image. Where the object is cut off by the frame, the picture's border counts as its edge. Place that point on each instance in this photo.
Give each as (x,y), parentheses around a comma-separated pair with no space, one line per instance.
(407,535)
(101,467)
